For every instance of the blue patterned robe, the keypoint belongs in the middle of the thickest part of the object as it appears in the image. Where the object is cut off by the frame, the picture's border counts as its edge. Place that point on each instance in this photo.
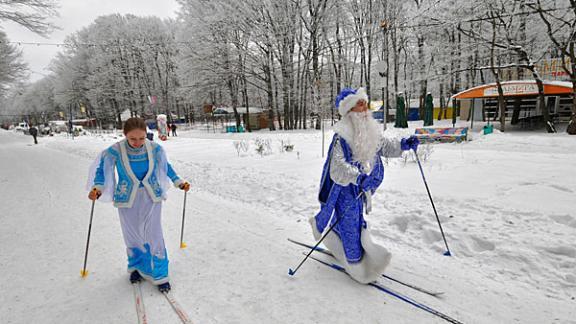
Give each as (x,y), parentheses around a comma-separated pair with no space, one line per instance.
(342,202)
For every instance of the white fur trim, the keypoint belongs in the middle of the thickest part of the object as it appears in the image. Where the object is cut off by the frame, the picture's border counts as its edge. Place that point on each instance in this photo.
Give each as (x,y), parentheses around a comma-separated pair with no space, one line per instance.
(151,166)
(131,175)
(178,182)
(345,129)
(375,260)
(350,101)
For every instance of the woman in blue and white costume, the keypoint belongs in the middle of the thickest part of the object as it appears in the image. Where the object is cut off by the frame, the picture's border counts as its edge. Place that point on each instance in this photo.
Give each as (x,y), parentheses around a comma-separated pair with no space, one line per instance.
(144,176)
(352,173)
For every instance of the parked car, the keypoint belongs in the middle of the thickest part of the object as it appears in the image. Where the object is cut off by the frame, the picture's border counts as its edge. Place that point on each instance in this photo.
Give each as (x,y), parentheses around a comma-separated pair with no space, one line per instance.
(44,129)
(22,127)
(78,130)
(58,126)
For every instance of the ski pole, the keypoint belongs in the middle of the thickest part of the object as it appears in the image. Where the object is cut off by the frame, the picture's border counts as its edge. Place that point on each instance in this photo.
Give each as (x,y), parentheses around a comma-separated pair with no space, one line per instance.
(293,272)
(182,244)
(447,253)
(84,272)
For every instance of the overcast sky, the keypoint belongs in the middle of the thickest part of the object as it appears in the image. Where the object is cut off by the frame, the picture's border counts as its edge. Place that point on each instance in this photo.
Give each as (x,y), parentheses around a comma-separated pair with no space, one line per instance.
(75,14)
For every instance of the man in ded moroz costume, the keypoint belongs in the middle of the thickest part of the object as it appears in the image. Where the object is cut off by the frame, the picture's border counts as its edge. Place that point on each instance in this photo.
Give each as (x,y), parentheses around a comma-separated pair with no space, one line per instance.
(352,173)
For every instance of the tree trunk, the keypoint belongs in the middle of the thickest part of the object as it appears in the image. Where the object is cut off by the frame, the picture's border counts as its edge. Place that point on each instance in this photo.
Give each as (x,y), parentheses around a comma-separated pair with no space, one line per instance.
(422,74)
(571,129)
(246,103)
(277,106)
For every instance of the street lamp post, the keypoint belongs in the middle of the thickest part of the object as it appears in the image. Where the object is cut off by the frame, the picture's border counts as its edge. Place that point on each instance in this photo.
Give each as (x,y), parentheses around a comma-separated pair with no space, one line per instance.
(384,75)
(71,126)
(385,69)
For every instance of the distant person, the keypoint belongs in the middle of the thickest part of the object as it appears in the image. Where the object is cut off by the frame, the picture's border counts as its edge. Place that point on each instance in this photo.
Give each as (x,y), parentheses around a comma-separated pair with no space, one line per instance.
(149,134)
(34,132)
(144,176)
(173,128)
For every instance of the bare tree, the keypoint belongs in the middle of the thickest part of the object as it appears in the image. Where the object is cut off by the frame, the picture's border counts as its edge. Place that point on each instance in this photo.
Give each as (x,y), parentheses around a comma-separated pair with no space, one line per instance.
(12,68)
(502,17)
(561,29)
(31,14)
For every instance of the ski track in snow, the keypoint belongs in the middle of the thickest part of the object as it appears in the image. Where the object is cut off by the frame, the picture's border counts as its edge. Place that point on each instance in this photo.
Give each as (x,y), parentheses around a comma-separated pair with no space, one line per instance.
(242,209)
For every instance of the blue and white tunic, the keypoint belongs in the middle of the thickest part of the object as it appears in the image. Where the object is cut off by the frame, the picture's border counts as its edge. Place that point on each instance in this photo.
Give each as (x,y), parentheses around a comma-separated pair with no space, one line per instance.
(145,167)
(143,178)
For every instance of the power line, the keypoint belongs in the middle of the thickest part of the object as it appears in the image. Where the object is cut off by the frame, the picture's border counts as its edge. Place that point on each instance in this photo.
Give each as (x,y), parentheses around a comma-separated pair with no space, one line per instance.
(96,45)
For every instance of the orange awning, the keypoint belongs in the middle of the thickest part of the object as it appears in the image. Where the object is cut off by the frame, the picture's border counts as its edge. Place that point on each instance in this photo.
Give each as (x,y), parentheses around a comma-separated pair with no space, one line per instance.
(516,88)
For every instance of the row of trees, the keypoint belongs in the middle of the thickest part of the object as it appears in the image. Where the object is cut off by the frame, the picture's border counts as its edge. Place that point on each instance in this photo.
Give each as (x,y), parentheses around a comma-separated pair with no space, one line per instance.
(34,15)
(31,14)
(294,56)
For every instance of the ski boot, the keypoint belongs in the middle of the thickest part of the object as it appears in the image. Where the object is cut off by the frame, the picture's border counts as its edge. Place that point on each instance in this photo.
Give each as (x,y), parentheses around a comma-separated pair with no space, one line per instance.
(165,287)
(135,277)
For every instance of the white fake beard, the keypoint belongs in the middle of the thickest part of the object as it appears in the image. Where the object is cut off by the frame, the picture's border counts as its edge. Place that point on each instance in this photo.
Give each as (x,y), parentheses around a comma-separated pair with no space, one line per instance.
(366,140)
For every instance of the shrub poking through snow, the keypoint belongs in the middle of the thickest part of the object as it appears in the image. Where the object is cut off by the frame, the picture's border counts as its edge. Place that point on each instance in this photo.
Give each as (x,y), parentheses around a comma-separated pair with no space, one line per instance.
(424,153)
(263,146)
(286,146)
(241,146)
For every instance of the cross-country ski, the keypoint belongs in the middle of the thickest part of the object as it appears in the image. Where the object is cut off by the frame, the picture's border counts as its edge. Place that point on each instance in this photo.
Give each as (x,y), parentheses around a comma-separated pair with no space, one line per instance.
(326,252)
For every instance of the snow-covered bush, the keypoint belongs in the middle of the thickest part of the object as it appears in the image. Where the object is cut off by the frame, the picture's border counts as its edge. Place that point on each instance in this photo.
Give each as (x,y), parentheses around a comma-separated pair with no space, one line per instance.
(241,146)
(263,146)
(424,153)
(286,146)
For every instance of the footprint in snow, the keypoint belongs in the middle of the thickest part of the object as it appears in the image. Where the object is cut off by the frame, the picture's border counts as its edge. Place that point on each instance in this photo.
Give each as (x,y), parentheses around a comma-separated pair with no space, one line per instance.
(481,245)
(564,220)
(566,251)
(561,188)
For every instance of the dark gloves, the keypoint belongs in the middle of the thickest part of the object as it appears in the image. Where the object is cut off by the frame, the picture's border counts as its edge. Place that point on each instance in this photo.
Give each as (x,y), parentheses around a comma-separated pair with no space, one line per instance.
(410,143)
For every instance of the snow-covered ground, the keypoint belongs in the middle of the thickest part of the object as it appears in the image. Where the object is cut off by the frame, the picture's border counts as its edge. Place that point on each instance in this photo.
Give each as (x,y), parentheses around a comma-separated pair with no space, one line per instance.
(507,203)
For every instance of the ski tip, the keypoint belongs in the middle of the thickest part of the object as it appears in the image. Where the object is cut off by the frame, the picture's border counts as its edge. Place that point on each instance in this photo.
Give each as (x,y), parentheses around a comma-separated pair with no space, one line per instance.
(447,253)
(183,245)
(83,273)
(291,272)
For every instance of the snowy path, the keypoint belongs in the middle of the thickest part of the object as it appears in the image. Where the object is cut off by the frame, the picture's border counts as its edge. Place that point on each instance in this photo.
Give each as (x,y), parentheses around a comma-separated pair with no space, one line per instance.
(234,270)
(239,214)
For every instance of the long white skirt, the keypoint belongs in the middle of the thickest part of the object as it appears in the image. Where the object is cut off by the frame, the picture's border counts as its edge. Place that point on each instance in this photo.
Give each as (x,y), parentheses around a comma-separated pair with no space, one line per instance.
(142,231)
